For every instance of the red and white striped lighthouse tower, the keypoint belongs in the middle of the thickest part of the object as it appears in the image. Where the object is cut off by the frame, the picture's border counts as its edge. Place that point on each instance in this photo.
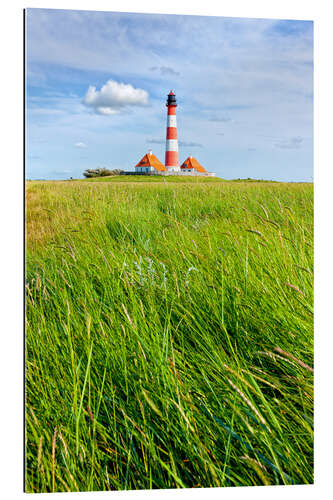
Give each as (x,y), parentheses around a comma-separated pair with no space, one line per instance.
(171,146)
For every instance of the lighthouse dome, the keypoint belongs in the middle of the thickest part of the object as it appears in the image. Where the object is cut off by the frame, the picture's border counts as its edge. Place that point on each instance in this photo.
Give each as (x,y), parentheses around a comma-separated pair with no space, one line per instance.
(171,99)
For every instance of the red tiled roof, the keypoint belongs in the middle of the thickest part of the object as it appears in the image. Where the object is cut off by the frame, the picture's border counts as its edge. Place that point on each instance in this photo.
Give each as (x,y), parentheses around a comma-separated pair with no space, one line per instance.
(150,160)
(191,162)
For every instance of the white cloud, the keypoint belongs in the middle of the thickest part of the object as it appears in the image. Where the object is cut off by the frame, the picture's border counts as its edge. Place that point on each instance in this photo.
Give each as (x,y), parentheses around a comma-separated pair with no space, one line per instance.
(80,145)
(113,97)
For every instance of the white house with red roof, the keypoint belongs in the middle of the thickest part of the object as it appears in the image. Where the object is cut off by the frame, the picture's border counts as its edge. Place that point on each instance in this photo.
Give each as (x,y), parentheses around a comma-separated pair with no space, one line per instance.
(149,164)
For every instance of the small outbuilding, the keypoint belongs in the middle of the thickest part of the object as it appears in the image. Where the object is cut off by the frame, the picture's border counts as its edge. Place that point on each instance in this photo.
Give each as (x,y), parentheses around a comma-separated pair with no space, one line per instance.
(191,165)
(150,164)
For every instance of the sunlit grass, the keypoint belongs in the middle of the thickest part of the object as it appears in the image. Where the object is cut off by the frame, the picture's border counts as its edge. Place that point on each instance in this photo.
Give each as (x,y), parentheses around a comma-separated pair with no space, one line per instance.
(169,335)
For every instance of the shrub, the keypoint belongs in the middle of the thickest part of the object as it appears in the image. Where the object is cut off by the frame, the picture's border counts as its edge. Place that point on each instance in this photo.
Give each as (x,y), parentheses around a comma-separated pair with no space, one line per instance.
(101,172)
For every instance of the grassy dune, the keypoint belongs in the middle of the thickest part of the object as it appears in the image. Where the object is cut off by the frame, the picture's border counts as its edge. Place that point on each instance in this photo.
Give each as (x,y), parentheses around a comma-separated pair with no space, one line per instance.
(169,335)
(155,178)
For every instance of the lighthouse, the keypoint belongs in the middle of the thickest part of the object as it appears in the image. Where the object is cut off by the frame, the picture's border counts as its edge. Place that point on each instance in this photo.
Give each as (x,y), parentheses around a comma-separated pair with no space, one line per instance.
(171,146)
(150,165)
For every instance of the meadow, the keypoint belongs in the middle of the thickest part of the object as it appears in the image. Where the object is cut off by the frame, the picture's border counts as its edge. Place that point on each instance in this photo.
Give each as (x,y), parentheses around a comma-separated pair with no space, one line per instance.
(169,334)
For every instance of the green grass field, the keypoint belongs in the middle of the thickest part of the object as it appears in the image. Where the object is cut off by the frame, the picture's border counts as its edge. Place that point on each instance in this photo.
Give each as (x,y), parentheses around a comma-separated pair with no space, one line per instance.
(155,178)
(169,338)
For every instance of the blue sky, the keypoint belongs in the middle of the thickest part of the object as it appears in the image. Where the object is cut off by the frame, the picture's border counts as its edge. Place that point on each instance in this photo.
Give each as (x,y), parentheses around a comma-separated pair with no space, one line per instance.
(97,85)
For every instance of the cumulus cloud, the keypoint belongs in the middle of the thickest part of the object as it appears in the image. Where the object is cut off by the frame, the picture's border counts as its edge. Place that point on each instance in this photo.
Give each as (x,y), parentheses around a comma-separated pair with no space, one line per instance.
(292,143)
(165,70)
(113,97)
(80,145)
